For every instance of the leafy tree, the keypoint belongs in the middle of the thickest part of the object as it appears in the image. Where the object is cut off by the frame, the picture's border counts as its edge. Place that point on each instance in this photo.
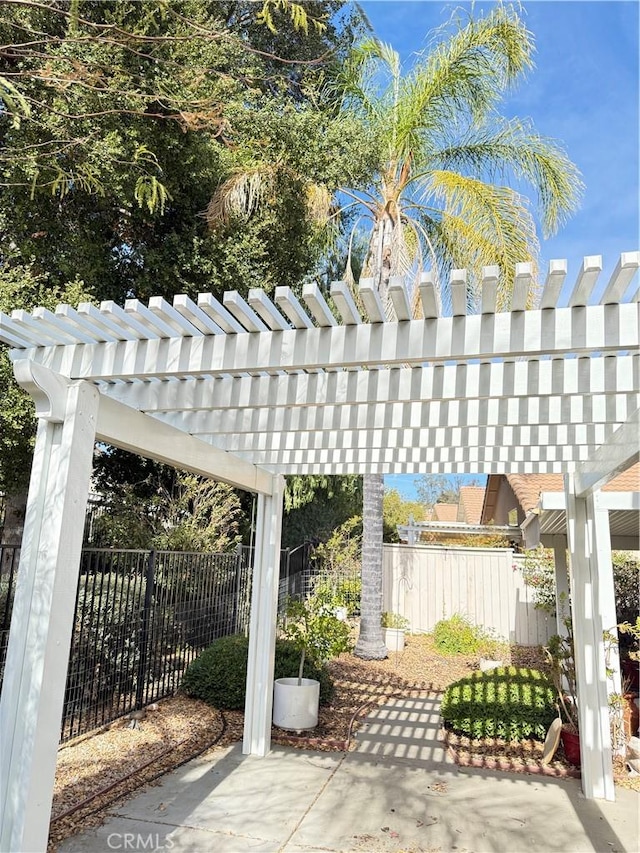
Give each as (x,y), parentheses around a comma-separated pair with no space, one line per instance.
(148,505)
(314,506)
(120,119)
(397,510)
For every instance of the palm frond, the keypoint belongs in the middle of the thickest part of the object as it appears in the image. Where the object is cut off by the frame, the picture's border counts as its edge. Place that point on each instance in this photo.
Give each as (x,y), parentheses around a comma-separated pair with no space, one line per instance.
(512,147)
(318,202)
(465,75)
(484,224)
(241,194)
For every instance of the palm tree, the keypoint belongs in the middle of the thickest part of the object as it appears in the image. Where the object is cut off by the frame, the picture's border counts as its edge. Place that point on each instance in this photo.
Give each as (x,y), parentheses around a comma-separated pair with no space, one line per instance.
(439,196)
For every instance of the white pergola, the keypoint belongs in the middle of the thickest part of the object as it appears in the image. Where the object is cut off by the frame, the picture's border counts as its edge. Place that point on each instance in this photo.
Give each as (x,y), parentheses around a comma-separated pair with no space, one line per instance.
(245,391)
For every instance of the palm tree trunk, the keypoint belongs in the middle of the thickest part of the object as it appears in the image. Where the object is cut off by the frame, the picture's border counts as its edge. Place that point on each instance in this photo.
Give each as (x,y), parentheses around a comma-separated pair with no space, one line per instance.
(370,645)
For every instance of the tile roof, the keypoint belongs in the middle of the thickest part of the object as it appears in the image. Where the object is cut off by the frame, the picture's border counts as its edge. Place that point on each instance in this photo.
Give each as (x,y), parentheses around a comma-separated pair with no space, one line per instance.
(471,501)
(445,512)
(528,487)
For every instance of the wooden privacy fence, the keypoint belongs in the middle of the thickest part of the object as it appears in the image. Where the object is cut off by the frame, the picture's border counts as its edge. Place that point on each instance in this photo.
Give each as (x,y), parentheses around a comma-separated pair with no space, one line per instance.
(430,583)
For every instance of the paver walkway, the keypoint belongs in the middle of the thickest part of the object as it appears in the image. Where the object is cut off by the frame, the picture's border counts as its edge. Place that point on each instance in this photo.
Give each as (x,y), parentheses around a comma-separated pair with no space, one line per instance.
(398,792)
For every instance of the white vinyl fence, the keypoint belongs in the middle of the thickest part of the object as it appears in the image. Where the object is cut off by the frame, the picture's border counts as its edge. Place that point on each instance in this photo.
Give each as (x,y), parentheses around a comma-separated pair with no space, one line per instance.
(429,583)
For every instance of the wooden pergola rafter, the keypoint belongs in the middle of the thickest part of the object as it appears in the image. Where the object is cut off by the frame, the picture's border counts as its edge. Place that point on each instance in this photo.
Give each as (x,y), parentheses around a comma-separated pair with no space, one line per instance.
(246,390)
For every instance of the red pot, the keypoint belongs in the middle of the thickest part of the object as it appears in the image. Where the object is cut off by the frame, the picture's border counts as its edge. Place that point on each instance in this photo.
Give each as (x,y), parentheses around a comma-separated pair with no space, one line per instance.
(631,672)
(571,745)
(630,715)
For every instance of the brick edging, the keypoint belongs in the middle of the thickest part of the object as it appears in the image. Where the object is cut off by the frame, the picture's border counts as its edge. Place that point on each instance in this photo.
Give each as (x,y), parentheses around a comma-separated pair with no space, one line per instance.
(506,764)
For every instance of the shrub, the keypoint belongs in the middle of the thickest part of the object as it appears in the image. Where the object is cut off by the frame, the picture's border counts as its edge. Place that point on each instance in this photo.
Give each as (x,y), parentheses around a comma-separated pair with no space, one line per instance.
(508,703)
(394,620)
(456,636)
(218,676)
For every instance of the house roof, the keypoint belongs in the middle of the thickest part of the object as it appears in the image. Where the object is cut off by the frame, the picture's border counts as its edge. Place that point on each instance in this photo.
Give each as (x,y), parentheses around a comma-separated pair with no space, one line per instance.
(445,512)
(470,506)
(528,487)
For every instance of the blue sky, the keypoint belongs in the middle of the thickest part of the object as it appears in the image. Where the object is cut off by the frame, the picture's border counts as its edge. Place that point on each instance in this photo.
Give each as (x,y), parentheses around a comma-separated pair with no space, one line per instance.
(584,91)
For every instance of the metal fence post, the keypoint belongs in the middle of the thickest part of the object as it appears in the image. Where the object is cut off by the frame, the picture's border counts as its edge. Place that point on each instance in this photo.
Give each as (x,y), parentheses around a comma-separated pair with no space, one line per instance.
(144,630)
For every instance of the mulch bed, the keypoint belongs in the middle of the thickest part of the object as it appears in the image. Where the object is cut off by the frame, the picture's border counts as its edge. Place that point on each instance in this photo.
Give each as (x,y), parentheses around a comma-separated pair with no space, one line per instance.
(98,772)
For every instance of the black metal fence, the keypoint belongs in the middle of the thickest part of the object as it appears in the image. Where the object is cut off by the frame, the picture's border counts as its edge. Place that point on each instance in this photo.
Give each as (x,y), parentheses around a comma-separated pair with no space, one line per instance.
(9,558)
(141,617)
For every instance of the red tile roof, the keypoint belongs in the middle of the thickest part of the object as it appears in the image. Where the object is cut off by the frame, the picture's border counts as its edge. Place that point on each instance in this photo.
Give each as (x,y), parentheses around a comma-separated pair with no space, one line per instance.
(445,512)
(528,487)
(471,501)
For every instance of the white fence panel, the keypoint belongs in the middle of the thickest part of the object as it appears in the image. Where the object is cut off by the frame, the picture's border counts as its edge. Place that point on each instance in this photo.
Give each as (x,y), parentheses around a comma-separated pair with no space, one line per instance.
(429,583)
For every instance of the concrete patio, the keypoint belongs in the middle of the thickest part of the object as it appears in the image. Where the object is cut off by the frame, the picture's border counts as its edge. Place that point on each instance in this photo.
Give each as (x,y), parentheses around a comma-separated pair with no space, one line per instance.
(399,791)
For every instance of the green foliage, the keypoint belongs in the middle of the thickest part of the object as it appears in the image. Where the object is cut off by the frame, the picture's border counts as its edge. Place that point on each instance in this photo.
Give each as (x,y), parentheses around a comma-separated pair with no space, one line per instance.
(626,582)
(167,510)
(394,620)
(559,651)
(509,703)
(315,506)
(633,632)
(338,591)
(139,111)
(337,562)
(218,676)
(538,570)
(22,287)
(397,511)
(300,18)
(314,632)
(105,650)
(456,635)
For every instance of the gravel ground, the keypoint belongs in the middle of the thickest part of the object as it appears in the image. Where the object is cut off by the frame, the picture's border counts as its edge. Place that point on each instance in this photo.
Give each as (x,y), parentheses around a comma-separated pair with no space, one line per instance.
(97,772)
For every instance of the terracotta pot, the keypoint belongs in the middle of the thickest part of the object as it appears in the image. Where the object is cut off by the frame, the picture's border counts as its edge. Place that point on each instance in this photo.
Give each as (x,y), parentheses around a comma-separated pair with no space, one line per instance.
(631,672)
(571,745)
(630,715)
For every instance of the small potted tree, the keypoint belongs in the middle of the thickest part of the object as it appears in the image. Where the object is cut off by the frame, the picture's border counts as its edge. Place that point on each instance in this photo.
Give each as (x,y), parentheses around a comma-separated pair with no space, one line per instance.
(318,636)
(394,627)
(559,651)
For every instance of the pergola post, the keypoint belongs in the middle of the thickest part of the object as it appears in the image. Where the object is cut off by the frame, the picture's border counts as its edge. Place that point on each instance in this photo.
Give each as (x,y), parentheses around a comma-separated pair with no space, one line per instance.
(603,563)
(42,617)
(585,530)
(262,626)
(562,583)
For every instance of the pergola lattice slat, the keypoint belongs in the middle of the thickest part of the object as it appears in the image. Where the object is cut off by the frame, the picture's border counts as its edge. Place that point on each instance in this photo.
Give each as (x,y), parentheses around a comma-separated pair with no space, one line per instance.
(527,334)
(553,377)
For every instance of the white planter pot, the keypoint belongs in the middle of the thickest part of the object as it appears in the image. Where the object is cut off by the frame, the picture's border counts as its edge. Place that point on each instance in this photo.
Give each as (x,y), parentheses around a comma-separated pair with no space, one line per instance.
(394,639)
(295,706)
(486,664)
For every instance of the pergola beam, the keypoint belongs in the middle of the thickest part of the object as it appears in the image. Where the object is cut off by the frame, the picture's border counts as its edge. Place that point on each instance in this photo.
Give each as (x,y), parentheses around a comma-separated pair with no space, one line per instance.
(546,441)
(131,430)
(525,334)
(620,452)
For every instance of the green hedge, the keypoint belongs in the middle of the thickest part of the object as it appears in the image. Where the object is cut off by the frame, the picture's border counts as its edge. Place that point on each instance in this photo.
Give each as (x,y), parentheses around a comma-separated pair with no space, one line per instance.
(218,676)
(507,703)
